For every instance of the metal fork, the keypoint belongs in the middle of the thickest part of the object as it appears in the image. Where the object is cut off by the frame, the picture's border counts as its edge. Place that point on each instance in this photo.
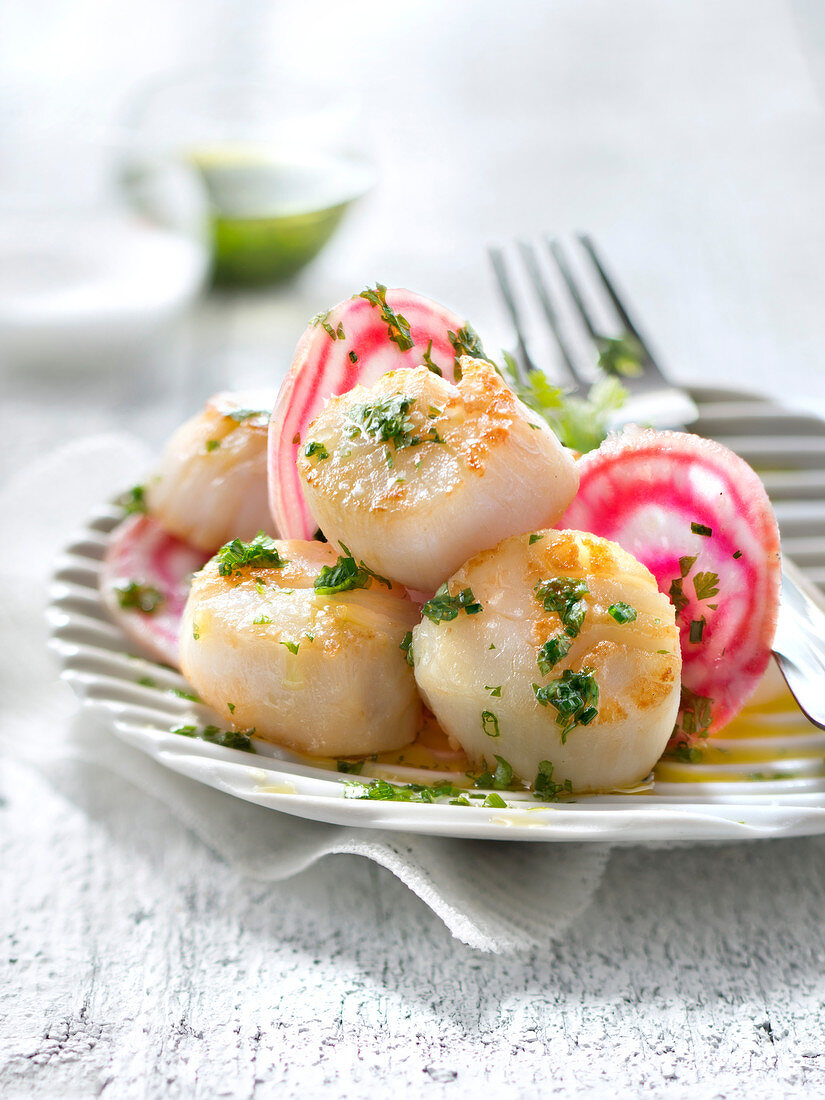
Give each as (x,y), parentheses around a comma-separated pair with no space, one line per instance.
(799,645)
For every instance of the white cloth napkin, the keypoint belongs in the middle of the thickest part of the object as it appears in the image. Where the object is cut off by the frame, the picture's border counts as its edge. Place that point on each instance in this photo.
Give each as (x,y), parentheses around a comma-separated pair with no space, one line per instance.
(497,897)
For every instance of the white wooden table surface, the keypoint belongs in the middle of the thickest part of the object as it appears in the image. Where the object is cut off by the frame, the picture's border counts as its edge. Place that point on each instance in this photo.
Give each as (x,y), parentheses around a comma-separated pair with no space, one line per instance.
(134,962)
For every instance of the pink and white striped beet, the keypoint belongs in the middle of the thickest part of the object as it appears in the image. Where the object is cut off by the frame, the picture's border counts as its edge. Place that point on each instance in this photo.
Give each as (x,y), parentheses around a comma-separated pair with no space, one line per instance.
(658,494)
(348,345)
(141,550)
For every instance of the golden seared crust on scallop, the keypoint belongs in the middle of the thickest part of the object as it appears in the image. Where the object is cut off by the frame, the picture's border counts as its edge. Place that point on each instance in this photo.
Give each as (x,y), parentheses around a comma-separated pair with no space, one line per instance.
(565,616)
(210,485)
(321,674)
(416,473)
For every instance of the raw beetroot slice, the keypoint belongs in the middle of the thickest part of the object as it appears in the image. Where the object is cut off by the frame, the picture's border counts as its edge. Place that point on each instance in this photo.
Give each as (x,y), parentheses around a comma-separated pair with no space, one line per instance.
(699,518)
(145,564)
(354,342)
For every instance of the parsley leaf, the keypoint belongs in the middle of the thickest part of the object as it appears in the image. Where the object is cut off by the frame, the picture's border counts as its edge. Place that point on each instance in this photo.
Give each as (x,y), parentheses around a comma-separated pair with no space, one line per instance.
(489,723)
(261,551)
(316,448)
(535,538)
(229,739)
(406,648)
(545,789)
(466,342)
(501,779)
(552,652)
(697,629)
(428,361)
(444,608)
(622,612)
(564,596)
(346,575)
(574,695)
(322,320)
(493,801)
(133,501)
(706,585)
(620,356)
(135,596)
(384,422)
(694,715)
(701,529)
(398,326)
(495,692)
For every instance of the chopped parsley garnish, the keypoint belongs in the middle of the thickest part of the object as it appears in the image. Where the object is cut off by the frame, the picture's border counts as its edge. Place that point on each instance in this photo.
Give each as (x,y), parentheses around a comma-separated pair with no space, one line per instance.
(535,538)
(581,423)
(697,629)
(494,691)
(384,791)
(701,529)
(350,767)
(133,501)
(384,422)
(688,753)
(564,596)
(428,361)
(686,564)
(322,320)
(261,551)
(552,652)
(738,554)
(467,342)
(196,632)
(293,647)
(622,612)
(398,326)
(346,575)
(147,682)
(489,723)
(694,715)
(706,585)
(181,694)
(406,648)
(574,695)
(620,356)
(501,779)
(229,739)
(316,448)
(262,620)
(136,596)
(353,358)
(494,801)
(212,444)
(230,707)
(545,789)
(444,608)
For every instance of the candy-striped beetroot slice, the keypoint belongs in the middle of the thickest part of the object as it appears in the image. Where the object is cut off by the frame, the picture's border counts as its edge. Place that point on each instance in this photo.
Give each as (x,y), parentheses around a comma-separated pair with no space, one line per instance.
(699,518)
(144,584)
(354,342)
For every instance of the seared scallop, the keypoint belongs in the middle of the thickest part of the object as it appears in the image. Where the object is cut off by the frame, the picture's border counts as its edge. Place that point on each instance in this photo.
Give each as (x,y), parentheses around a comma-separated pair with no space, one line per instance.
(555,648)
(304,645)
(416,473)
(211,485)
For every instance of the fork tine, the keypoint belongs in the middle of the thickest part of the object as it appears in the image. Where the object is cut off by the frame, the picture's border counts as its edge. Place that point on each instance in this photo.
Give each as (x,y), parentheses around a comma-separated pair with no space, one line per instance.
(561,262)
(651,366)
(531,263)
(523,361)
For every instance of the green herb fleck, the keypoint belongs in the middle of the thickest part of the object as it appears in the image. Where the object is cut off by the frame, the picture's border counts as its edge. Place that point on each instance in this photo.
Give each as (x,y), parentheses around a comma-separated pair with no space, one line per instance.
(466,342)
(228,739)
(564,596)
(444,608)
(293,647)
(261,551)
(262,620)
(738,554)
(552,652)
(133,501)
(695,715)
(574,695)
(240,415)
(706,585)
(316,448)
(346,575)
(489,723)
(147,682)
(384,422)
(136,596)
(494,801)
(353,358)
(212,444)
(196,632)
(697,629)
(500,779)
(622,612)
(322,319)
(701,529)
(494,691)
(406,648)
(230,707)
(535,538)
(350,767)
(398,326)
(428,361)
(620,356)
(545,789)
(383,791)
(688,753)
